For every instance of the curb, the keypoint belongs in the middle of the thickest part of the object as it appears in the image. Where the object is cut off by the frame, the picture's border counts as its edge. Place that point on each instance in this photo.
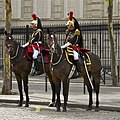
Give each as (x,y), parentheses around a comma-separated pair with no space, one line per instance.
(103,108)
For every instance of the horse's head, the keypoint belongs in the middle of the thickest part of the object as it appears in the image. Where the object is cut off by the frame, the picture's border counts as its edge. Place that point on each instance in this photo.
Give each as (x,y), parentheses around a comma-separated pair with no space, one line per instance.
(55,49)
(51,41)
(10,44)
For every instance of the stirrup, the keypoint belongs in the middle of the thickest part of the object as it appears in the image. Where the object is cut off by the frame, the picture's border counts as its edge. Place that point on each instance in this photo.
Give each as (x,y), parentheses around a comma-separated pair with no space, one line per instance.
(78,74)
(37,72)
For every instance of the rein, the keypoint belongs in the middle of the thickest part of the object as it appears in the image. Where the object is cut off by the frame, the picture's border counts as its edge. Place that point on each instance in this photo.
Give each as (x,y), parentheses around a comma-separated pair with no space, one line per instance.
(53,51)
(14,57)
(15,53)
(58,59)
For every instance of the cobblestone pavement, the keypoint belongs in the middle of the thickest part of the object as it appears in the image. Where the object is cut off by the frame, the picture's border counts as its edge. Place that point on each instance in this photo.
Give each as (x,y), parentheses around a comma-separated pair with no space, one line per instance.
(40,112)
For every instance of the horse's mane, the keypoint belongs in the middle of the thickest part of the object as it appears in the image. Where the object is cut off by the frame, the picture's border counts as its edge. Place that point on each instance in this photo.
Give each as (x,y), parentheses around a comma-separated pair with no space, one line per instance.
(16,43)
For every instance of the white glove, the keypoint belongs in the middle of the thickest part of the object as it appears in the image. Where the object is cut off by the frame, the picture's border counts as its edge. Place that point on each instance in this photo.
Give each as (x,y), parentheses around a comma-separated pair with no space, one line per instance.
(25,45)
(35,53)
(65,45)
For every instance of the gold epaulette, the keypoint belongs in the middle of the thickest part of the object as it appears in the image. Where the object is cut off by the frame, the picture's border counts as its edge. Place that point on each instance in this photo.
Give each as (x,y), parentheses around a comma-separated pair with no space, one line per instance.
(67,31)
(73,20)
(77,32)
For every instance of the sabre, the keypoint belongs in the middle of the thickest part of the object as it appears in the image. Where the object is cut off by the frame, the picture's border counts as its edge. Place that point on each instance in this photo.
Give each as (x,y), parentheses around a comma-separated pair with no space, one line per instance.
(43,70)
(87,72)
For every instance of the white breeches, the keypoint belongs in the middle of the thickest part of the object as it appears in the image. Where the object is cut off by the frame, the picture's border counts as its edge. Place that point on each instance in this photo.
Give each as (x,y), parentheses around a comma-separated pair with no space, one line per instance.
(35,53)
(75,55)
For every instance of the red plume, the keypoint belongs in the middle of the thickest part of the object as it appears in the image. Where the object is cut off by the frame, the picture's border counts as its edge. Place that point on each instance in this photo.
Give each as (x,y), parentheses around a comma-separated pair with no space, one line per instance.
(34,16)
(70,15)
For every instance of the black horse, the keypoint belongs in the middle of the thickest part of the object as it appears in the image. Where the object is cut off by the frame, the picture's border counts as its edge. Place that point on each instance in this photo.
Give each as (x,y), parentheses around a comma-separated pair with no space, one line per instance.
(21,67)
(60,69)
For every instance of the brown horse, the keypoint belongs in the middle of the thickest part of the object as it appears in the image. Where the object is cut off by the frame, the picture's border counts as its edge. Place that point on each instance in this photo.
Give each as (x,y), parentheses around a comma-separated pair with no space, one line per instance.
(21,67)
(61,68)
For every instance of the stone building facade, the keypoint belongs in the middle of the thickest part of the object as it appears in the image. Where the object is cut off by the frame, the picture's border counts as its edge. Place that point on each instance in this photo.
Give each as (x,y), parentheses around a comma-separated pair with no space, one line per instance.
(55,11)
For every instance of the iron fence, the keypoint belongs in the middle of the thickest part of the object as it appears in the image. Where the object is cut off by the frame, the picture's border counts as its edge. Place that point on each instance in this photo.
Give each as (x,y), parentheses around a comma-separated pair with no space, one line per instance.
(95,38)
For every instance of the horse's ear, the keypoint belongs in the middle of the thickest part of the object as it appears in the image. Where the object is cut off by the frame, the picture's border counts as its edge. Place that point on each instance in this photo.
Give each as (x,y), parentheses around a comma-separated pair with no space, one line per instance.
(5,32)
(11,32)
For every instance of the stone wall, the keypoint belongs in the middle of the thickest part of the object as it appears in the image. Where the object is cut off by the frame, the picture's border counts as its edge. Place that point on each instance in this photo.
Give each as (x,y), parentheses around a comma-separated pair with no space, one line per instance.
(55,11)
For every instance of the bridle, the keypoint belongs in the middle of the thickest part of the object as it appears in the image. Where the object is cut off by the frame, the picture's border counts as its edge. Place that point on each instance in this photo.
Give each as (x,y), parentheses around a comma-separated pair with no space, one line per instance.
(16,58)
(53,46)
(16,53)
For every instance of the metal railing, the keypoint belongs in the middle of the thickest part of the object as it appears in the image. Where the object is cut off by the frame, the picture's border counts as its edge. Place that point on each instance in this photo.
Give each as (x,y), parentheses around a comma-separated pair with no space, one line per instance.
(95,38)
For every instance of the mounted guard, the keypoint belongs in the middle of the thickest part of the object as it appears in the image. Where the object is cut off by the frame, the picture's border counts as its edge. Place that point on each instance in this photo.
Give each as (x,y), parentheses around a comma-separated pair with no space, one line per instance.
(35,44)
(71,43)
(76,26)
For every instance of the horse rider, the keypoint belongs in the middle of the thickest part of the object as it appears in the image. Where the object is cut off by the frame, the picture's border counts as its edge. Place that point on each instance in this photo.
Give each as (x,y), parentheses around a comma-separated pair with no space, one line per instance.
(71,41)
(36,41)
(76,26)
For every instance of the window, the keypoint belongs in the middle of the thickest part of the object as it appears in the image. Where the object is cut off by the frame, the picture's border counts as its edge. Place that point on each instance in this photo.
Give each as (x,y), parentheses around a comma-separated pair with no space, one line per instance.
(16,8)
(42,10)
(115,8)
(76,6)
(1,9)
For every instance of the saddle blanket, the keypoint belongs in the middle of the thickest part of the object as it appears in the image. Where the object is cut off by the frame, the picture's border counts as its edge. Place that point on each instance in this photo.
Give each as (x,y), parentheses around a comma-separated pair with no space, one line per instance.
(69,55)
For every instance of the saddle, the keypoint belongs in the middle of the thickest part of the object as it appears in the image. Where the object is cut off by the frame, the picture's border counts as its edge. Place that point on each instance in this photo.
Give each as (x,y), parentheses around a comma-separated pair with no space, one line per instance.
(83,55)
(42,57)
(29,52)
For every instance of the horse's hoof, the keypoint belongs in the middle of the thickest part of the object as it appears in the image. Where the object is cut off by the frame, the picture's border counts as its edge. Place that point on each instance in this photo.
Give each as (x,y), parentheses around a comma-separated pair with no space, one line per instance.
(97,109)
(51,104)
(26,105)
(89,108)
(58,110)
(64,110)
(19,105)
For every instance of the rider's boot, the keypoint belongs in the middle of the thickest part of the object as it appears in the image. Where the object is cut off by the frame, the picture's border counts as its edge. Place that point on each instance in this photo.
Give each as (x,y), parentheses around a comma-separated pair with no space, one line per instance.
(37,69)
(77,64)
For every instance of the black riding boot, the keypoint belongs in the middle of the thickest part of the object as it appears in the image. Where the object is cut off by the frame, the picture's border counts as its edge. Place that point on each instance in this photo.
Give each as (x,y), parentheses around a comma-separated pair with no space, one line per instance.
(77,64)
(37,69)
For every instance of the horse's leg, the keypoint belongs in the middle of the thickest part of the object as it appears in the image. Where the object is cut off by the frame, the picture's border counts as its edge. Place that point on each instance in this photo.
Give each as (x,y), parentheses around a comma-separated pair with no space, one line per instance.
(25,82)
(52,104)
(65,93)
(90,97)
(68,81)
(19,82)
(97,87)
(57,89)
(87,83)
